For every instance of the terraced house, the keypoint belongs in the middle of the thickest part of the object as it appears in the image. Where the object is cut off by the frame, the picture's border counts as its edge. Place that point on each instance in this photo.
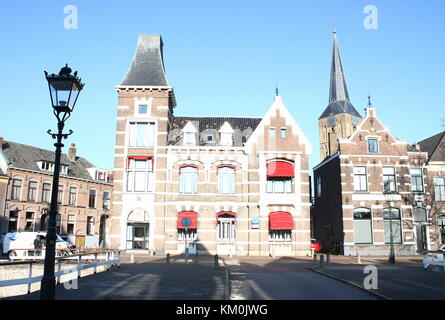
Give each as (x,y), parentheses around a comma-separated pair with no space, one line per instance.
(84,193)
(370,186)
(243,183)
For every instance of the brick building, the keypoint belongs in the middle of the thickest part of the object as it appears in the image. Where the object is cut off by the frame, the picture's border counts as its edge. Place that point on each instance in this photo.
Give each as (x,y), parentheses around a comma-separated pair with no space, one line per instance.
(83,196)
(242,182)
(368,181)
(435,196)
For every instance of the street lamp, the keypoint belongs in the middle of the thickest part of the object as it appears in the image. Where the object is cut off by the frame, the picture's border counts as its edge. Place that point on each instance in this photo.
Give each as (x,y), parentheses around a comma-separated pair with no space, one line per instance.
(389,197)
(64,89)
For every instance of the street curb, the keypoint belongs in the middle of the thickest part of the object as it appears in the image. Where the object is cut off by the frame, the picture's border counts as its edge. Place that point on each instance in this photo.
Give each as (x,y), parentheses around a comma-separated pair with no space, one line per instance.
(379,295)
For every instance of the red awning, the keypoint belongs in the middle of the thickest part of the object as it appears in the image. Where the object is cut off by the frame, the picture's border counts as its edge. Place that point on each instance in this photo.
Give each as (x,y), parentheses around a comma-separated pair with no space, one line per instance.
(281,221)
(280,169)
(139,157)
(230,213)
(188,214)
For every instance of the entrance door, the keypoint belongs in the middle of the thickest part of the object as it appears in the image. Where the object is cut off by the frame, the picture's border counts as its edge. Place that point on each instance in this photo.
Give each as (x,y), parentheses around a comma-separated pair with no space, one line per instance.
(137,236)
(422,243)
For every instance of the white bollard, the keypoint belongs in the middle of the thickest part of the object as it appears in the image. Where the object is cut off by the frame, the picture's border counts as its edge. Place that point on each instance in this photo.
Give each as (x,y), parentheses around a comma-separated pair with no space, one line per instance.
(132,258)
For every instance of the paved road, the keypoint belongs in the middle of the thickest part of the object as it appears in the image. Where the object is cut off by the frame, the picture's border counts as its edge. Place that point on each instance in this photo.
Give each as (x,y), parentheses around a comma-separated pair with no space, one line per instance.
(286,279)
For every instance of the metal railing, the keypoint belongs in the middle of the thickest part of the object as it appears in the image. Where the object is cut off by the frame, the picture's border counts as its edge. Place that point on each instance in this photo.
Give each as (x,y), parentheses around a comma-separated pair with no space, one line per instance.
(100,257)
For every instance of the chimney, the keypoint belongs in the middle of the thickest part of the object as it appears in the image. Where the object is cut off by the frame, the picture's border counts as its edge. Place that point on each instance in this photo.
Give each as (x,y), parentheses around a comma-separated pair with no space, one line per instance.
(72,152)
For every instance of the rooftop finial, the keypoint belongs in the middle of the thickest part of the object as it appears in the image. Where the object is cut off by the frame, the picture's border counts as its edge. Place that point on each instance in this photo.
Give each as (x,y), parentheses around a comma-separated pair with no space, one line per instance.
(369,101)
(276,89)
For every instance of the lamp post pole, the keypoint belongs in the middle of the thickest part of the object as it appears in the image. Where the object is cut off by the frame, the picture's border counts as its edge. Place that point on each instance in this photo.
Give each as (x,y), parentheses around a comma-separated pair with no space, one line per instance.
(389,197)
(392,256)
(64,90)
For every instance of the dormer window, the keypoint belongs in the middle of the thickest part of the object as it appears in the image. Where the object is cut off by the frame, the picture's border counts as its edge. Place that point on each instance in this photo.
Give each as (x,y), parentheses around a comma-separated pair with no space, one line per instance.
(189,138)
(189,134)
(226,139)
(49,166)
(226,134)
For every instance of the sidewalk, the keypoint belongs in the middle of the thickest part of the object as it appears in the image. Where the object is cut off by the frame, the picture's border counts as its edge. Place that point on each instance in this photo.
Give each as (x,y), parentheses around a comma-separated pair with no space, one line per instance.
(149,278)
(405,280)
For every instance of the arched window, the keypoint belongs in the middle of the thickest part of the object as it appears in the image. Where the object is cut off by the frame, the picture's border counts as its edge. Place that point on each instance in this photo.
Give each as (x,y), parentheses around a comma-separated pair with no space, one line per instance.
(226,226)
(188,180)
(16,189)
(391,221)
(226,180)
(43,222)
(362,226)
(281,225)
(188,233)
(279,176)
(90,225)
(419,214)
(441,225)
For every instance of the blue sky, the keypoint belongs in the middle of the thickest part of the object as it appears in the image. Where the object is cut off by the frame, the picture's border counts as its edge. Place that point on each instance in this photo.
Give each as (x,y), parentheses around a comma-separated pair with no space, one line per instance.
(223,58)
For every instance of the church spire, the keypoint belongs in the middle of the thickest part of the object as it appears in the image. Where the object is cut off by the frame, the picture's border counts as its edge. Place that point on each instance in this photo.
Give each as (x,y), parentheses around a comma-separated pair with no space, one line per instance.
(338,89)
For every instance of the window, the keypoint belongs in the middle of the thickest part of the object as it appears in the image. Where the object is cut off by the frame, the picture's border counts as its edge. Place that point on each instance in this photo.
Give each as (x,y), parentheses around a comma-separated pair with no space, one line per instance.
(92,199)
(419,214)
(441,225)
(73,196)
(416,180)
(393,213)
(373,145)
(226,139)
(439,188)
(389,179)
(187,234)
(271,132)
(280,235)
(29,223)
(16,189)
(279,185)
(13,220)
(362,226)
(142,109)
(142,134)
(188,180)
(106,200)
(43,224)
(209,138)
(283,133)
(140,175)
(90,226)
(318,187)
(46,192)
(32,191)
(189,139)
(226,228)
(360,179)
(70,224)
(58,223)
(226,180)
(60,194)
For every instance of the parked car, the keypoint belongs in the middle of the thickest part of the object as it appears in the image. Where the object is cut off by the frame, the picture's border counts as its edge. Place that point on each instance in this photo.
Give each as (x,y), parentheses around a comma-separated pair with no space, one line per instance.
(25,240)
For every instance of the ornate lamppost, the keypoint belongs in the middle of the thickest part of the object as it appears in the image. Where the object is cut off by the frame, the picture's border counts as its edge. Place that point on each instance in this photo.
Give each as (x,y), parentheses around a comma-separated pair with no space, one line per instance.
(64,89)
(389,197)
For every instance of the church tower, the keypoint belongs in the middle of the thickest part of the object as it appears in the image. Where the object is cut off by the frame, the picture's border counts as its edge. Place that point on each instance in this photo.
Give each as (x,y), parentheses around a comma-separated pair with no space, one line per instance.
(340,118)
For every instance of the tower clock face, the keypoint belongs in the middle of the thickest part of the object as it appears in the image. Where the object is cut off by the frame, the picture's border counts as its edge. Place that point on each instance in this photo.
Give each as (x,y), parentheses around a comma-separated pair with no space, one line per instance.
(331,121)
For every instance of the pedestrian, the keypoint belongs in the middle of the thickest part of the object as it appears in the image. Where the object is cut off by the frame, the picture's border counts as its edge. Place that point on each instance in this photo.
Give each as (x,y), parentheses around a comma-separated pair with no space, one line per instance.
(37,245)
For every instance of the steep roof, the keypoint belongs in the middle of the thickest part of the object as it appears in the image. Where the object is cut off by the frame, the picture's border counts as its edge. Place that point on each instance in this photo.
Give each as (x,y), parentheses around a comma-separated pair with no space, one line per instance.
(210,126)
(435,146)
(26,157)
(147,68)
(338,91)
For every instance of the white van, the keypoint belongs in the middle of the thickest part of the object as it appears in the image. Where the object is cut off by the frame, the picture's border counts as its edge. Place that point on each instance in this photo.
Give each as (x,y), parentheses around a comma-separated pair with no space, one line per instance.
(25,240)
